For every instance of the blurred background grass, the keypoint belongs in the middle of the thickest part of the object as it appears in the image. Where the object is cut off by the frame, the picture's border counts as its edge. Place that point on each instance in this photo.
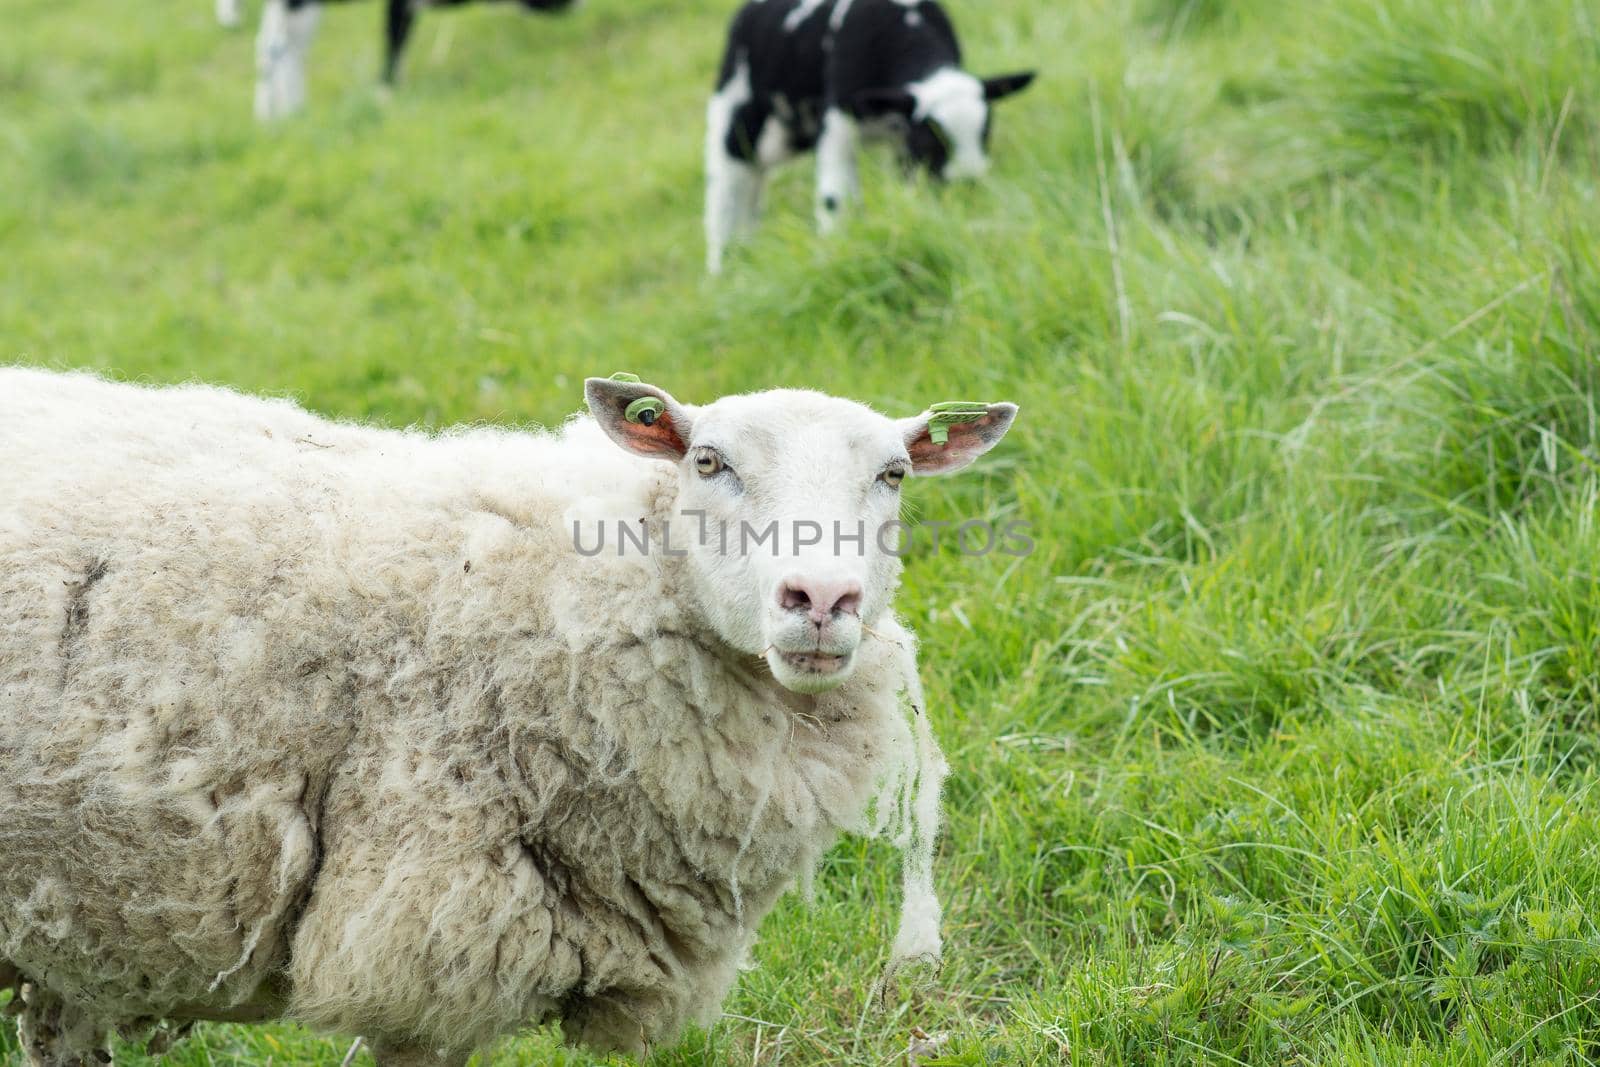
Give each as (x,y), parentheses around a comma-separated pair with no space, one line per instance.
(1282,746)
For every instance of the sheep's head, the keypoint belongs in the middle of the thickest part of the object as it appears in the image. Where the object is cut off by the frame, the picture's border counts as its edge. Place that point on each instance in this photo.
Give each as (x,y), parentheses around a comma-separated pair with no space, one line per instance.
(787,506)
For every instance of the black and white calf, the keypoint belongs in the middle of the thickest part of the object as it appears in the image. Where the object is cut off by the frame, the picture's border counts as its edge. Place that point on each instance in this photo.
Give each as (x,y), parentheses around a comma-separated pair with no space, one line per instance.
(824,74)
(287,27)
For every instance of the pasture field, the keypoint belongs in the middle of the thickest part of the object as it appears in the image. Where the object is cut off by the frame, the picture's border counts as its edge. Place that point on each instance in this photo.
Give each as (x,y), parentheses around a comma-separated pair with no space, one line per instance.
(1283,746)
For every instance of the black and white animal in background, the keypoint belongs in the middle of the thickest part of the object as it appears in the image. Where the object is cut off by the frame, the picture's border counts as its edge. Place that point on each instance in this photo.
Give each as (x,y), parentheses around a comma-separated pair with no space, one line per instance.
(823,74)
(288,26)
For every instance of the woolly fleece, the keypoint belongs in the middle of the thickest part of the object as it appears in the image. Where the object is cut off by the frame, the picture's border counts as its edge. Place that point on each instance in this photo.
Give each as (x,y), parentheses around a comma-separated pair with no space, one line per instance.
(315,720)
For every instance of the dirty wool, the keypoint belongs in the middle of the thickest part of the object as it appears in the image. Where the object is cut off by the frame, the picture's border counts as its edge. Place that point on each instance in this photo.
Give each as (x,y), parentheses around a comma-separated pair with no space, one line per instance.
(320,721)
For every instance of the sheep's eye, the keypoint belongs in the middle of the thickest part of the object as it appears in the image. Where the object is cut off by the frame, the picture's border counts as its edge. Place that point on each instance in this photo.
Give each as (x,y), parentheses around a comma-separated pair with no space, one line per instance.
(893,477)
(707,462)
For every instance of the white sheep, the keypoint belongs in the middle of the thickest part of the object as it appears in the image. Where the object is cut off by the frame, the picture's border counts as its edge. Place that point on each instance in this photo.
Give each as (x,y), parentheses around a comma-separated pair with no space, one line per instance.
(309,720)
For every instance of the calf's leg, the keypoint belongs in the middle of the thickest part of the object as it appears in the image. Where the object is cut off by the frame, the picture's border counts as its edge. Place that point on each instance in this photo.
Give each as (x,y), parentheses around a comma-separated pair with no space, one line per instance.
(734,169)
(838,183)
(733,204)
(228,13)
(287,29)
(397,30)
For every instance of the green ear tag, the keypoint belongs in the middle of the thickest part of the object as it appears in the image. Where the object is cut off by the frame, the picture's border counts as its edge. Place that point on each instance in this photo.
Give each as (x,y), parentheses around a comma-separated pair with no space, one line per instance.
(952,413)
(645,410)
(624,376)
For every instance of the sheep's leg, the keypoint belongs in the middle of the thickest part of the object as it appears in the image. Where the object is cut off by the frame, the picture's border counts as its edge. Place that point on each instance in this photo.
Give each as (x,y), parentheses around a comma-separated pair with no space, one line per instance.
(229,13)
(53,1035)
(287,29)
(838,183)
(411,1056)
(604,1026)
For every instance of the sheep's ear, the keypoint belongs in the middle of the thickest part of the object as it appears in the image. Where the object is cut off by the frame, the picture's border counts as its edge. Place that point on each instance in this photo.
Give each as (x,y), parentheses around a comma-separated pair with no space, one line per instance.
(877,103)
(947,437)
(641,418)
(1004,85)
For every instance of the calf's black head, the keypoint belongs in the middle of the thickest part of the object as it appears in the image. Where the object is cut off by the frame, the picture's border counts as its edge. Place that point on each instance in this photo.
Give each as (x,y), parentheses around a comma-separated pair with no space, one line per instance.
(946,118)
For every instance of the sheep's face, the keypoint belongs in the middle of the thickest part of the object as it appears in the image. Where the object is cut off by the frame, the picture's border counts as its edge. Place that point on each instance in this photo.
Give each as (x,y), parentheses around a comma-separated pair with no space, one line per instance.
(787,506)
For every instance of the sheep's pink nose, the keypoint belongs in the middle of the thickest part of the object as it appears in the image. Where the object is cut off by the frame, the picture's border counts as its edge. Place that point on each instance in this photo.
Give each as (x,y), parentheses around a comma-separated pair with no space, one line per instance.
(820,599)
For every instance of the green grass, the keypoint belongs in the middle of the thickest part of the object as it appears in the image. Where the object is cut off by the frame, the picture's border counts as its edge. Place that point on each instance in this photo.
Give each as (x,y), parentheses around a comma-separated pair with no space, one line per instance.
(1283,747)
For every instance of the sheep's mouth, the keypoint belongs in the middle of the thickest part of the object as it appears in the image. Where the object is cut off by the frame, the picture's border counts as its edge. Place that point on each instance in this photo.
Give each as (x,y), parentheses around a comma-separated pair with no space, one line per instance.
(818,663)
(815,671)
